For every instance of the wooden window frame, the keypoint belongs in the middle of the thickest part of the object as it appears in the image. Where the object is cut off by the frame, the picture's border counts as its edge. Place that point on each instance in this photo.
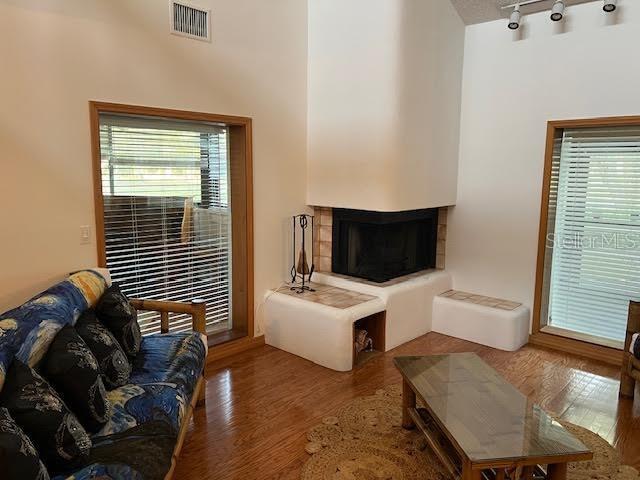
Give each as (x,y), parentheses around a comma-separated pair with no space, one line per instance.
(548,336)
(241,199)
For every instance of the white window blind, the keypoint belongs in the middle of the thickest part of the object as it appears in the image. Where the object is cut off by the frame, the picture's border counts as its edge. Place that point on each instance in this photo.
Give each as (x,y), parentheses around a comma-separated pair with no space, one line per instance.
(167,217)
(595,197)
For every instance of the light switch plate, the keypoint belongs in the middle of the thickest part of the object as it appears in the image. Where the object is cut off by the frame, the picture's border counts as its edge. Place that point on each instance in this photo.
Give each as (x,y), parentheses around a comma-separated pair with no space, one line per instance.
(85,235)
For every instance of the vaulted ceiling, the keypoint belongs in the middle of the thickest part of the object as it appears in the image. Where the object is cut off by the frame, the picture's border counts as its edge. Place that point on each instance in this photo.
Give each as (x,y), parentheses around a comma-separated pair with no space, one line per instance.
(478,11)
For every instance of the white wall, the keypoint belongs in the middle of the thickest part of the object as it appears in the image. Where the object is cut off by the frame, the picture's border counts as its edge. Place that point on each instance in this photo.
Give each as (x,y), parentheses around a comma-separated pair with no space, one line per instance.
(384,103)
(56,56)
(512,85)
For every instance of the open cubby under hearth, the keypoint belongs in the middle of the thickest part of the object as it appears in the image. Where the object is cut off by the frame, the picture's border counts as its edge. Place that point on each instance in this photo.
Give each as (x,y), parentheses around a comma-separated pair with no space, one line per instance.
(375,325)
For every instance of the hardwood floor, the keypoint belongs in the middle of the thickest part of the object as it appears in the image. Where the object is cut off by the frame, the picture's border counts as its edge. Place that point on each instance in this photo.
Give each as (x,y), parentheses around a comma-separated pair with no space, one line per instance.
(261,403)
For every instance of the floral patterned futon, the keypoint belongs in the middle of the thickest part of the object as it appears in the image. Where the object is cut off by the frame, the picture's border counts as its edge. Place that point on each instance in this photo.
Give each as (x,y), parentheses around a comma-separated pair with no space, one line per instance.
(138,440)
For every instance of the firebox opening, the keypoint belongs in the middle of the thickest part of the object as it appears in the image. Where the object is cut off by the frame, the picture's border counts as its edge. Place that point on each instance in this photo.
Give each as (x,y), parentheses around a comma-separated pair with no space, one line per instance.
(380,246)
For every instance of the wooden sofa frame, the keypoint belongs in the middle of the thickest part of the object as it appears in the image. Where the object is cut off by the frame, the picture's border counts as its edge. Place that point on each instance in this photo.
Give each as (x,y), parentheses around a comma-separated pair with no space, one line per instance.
(630,365)
(198,311)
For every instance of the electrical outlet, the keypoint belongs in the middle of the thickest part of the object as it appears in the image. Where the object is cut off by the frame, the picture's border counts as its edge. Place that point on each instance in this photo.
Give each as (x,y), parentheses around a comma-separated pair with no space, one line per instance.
(85,235)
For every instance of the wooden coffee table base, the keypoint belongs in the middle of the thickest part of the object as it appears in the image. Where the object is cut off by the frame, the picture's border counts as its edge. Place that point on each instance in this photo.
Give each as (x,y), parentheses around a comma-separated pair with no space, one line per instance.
(408,403)
(556,471)
(464,469)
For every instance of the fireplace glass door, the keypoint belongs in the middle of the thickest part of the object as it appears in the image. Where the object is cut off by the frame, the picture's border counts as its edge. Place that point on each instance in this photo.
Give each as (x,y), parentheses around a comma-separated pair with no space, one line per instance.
(381,246)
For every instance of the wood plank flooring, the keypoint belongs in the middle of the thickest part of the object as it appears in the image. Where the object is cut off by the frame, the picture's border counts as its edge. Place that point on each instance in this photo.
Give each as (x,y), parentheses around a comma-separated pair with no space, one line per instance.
(261,403)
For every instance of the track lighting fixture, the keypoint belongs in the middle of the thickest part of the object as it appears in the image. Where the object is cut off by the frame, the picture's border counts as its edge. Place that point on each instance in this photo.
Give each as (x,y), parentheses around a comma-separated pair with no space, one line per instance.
(514,20)
(557,11)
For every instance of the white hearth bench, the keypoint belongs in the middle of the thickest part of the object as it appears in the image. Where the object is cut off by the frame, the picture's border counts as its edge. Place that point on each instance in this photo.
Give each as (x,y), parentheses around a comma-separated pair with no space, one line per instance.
(302,325)
(319,326)
(494,322)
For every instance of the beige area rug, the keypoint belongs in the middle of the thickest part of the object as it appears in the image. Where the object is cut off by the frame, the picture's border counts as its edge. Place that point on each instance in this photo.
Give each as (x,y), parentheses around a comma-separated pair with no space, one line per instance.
(365,441)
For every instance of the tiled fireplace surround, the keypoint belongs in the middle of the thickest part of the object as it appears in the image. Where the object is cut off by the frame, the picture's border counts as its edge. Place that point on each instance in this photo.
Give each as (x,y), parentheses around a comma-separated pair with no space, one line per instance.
(323,235)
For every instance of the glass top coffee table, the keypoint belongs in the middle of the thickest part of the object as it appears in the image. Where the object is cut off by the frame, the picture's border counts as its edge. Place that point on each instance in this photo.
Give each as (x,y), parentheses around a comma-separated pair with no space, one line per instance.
(478,424)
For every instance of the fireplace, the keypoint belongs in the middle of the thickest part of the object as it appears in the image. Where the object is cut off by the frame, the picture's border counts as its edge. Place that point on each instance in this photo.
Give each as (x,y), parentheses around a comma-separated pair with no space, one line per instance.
(380,246)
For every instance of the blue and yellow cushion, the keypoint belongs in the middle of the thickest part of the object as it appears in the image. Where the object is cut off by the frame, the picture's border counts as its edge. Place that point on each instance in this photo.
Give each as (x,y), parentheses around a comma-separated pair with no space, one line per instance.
(135,405)
(164,376)
(176,358)
(27,331)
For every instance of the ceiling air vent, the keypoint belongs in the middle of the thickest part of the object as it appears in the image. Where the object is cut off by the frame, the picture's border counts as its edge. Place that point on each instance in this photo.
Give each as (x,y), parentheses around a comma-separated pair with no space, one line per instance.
(190,21)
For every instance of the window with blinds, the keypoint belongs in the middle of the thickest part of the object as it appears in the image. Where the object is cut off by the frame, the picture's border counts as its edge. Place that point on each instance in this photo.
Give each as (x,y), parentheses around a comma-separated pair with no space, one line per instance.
(167,215)
(592,262)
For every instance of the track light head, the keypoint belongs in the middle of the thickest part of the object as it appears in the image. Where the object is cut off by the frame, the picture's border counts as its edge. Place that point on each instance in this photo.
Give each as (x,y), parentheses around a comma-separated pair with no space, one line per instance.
(609,5)
(557,11)
(514,19)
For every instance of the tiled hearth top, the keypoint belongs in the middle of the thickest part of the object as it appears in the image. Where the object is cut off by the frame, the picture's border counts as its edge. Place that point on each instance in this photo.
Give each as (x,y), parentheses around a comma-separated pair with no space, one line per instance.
(330,296)
(481,300)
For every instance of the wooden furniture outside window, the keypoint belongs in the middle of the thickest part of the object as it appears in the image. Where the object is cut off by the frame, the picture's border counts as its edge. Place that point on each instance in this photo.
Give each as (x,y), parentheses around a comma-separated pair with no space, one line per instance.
(174,220)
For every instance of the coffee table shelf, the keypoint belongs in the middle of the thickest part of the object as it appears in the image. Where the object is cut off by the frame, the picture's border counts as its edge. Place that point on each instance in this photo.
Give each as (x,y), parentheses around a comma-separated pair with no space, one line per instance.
(437,442)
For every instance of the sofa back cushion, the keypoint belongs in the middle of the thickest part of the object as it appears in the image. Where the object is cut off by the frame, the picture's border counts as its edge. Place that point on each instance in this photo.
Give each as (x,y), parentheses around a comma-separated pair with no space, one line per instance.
(41,413)
(19,459)
(27,331)
(113,363)
(117,314)
(74,372)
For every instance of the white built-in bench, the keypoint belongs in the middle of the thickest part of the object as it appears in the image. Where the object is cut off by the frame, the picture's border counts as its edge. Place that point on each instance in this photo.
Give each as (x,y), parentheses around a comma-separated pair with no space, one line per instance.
(319,326)
(485,320)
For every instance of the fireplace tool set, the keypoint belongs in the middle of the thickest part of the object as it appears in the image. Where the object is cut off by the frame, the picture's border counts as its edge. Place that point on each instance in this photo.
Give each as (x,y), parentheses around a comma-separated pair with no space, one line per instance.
(300,271)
